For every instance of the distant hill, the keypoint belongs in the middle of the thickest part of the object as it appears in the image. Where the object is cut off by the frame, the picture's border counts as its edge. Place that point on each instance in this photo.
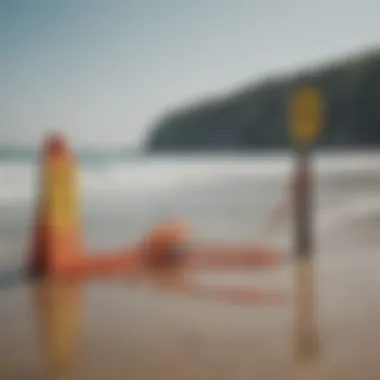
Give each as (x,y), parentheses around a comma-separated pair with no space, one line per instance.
(254,118)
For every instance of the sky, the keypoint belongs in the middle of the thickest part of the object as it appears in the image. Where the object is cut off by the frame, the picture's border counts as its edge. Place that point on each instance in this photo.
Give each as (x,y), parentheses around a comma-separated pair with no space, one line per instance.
(104,71)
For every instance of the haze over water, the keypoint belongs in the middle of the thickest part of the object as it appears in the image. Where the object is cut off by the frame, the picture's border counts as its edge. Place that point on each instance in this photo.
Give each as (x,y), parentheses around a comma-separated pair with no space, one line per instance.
(104,74)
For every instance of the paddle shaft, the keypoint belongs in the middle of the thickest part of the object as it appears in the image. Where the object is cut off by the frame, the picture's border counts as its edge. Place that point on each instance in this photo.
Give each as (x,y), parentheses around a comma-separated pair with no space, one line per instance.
(303,240)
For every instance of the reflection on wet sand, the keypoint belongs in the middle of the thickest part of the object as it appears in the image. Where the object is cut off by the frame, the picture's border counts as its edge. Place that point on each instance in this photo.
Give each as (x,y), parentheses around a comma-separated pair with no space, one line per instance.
(59,307)
(126,332)
(59,310)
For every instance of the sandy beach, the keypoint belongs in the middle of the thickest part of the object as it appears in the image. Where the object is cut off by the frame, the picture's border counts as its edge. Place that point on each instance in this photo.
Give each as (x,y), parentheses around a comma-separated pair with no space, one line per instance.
(131,333)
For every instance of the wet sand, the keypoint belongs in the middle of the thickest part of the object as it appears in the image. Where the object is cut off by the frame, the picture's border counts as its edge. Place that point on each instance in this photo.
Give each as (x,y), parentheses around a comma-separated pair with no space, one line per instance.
(128,333)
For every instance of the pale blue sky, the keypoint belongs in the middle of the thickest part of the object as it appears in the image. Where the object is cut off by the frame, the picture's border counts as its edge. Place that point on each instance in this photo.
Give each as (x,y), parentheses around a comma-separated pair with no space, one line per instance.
(105,70)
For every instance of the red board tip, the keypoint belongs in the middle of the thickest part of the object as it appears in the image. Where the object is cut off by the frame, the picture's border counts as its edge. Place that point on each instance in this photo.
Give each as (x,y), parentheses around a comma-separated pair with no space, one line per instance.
(55,144)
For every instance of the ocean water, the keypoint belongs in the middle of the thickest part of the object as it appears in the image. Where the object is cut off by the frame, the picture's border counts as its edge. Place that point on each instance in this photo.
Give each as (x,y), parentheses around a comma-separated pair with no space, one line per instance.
(224,198)
(113,176)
